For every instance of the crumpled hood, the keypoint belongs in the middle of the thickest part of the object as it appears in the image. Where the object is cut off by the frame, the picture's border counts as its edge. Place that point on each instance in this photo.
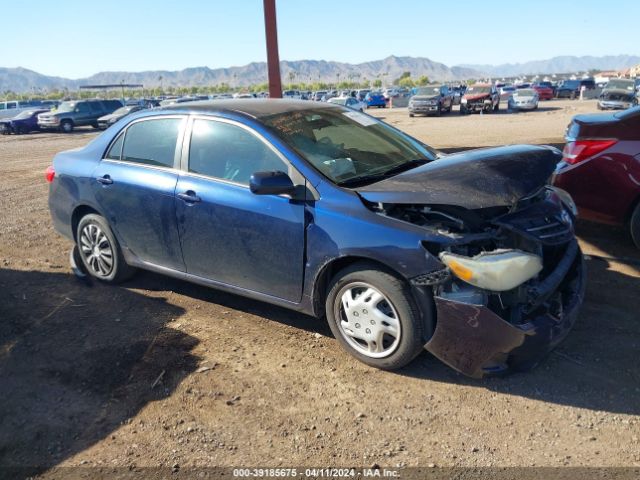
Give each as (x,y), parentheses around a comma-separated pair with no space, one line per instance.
(487,177)
(476,96)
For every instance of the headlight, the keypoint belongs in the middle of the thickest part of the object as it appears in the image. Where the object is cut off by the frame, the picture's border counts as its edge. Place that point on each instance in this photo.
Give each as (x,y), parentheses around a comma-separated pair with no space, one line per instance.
(464,100)
(498,271)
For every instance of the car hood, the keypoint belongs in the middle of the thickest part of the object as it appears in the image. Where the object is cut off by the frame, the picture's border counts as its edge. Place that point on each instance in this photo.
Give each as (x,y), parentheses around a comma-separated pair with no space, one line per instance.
(425,97)
(618,91)
(106,118)
(476,96)
(481,178)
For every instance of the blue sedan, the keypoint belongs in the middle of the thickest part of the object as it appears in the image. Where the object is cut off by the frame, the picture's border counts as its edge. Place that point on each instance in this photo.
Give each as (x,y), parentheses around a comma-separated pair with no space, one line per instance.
(375,99)
(331,212)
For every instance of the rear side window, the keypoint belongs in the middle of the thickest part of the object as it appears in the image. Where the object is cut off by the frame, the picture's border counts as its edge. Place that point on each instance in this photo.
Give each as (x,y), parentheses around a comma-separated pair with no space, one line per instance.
(229,152)
(152,142)
(116,148)
(96,107)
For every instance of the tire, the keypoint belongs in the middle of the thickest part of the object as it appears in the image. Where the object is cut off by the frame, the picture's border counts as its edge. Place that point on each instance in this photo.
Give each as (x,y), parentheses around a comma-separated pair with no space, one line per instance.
(95,126)
(634,226)
(390,333)
(66,126)
(573,96)
(463,110)
(92,233)
(411,115)
(497,107)
(439,111)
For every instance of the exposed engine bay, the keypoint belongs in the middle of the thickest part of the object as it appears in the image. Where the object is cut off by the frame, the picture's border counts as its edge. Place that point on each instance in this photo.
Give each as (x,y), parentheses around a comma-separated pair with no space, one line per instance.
(496,256)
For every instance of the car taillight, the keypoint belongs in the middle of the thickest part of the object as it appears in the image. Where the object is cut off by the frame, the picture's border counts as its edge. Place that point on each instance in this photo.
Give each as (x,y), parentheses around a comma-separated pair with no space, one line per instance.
(49,173)
(580,150)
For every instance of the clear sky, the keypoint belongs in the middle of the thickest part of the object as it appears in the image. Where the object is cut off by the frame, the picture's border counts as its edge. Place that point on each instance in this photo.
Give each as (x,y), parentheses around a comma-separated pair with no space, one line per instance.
(76,38)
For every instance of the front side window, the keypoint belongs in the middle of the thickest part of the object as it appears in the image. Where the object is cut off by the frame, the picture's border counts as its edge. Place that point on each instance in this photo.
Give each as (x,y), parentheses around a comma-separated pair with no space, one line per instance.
(346,145)
(152,142)
(82,108)
(229,152)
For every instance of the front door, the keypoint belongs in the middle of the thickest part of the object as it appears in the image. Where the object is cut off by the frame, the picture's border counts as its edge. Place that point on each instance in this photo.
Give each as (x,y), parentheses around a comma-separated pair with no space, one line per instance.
(228,234)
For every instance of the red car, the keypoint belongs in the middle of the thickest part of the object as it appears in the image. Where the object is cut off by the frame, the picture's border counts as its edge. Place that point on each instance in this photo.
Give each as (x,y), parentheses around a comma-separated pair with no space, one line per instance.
(544,93)
(600,168)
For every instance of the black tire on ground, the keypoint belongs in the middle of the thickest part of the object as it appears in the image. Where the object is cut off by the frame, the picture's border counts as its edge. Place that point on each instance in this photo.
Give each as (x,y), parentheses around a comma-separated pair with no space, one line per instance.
(66,126)
(96,126)
(411,115)
(573,96)
(497,107)
(119,270)
(463,110)
(412,335)
(634,226)
(439,111)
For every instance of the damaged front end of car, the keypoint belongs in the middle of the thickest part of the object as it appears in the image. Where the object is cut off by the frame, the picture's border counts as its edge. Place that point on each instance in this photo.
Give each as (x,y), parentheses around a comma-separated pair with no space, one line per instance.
(510,281)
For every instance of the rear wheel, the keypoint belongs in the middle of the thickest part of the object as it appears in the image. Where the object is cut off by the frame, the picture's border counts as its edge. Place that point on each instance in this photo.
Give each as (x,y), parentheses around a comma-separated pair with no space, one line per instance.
(497,107)
(634,225)
(100,251)
(374,317)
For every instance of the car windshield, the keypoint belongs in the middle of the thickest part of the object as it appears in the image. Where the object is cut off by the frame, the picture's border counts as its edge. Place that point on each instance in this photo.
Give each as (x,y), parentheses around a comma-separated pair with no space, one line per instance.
(508,89)
(66,107)
(478,89)
(571,83)
(348,147)
(432,90)
(620,84)
(338,101)
(525,92)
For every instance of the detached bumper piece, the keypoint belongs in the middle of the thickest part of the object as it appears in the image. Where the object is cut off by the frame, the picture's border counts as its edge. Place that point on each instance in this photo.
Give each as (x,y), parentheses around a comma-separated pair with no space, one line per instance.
(476,341)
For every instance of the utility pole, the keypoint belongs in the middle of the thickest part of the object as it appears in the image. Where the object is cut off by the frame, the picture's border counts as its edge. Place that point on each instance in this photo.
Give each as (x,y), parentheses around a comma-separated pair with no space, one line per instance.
(273,59)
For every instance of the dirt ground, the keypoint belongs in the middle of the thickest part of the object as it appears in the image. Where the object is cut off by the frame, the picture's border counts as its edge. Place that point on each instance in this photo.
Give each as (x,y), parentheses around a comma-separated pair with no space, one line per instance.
(158,372)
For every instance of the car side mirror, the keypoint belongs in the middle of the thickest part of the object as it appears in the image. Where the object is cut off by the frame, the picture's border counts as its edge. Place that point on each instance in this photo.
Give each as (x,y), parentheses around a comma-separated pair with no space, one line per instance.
(271,183)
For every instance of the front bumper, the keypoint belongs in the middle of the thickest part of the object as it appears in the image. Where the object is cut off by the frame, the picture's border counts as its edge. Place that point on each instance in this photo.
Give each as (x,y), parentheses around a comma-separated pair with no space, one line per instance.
(477,342)
(49,123)
(477,106)
(614,104)
(423,108)
(522,106)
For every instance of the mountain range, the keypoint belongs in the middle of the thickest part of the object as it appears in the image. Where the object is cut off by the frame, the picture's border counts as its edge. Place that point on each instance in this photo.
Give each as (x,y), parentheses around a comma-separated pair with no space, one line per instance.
(308,71)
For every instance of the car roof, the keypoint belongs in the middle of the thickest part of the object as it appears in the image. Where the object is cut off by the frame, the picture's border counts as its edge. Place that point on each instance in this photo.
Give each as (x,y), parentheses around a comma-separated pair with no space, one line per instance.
(254,107)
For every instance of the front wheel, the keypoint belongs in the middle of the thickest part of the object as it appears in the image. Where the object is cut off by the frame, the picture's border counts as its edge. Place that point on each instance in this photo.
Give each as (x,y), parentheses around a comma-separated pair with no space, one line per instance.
(497,107)
(634,225)
(100,251)
(66,126)
(374,317)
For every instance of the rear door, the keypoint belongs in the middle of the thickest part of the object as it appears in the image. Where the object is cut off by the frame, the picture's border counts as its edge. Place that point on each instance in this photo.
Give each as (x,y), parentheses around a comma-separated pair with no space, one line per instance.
(135,185)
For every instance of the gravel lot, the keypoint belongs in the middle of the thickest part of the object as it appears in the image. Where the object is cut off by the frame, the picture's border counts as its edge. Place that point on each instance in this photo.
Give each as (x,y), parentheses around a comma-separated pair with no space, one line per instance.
(160,372)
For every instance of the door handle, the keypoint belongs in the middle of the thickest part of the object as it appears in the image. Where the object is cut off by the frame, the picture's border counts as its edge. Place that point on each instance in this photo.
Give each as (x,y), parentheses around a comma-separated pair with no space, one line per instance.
(105,180)
(189,196)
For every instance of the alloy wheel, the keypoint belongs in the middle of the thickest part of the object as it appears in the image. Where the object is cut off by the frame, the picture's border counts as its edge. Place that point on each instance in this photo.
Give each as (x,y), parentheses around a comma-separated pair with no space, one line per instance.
(96,250)
(367,320)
